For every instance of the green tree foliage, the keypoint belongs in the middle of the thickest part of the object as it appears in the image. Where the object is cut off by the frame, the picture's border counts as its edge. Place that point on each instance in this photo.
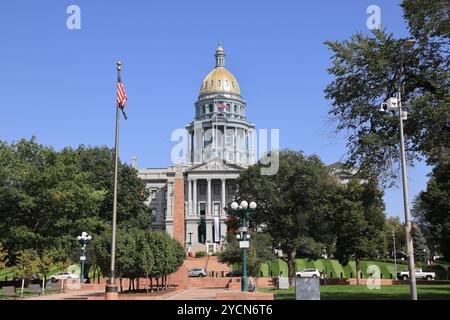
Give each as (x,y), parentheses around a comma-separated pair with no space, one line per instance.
(432,209)
(294,204)
(365,70)
(394,224)
(3,257)
(139,253)
(45,262)
(421,251)
(359,223)
(260,251)
(27,264)
(47,197)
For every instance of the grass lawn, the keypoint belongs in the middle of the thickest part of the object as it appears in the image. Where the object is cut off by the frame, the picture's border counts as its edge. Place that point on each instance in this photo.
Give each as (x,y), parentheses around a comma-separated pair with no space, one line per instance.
(348,292)
(27,293)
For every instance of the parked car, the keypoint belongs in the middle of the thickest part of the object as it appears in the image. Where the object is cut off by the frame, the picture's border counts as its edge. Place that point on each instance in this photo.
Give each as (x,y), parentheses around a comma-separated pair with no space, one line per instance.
(419,275)
(197,272)
(234,274)
(64,275)
(308,273)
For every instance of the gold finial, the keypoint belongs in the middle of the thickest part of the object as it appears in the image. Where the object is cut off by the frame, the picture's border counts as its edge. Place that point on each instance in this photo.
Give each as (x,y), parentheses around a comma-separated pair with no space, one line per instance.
(119,65)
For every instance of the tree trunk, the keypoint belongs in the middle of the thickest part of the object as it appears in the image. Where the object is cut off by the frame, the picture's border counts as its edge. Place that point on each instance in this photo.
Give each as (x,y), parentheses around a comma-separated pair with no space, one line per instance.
(358,275)
(291,266)
(157,284)
(138,287)
(151,283)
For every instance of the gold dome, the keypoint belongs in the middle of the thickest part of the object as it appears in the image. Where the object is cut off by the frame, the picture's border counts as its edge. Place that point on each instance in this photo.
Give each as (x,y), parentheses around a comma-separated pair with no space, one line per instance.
(220,80)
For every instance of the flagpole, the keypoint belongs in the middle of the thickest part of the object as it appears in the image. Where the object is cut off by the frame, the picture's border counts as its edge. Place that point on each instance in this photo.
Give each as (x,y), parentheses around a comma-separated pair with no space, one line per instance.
(112,289)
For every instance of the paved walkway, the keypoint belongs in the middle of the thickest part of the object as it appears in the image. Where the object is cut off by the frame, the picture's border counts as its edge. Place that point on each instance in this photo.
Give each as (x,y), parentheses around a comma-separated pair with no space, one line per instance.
(76,295)
(188,294)
(197,294)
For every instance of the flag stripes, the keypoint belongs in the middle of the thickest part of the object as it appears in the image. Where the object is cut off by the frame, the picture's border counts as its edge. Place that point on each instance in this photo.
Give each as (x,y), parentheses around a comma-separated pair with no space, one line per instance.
(121,95)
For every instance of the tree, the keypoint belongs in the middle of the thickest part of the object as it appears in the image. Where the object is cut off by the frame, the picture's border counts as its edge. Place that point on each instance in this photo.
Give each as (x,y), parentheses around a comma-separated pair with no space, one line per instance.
(359,223)
(291,202)
(26,264)
(47,198)
(45,263)
(260,251)
(139,253)
(431,209)
(365,71)
(421,251)
(394,224)
(3,257)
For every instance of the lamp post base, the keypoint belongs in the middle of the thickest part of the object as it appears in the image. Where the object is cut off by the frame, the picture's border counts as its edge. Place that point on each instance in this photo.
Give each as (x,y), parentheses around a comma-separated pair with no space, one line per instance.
(111,292)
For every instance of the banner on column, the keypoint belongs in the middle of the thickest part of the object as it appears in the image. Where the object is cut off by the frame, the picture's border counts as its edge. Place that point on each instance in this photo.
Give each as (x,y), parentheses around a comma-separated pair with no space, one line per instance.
(216,229)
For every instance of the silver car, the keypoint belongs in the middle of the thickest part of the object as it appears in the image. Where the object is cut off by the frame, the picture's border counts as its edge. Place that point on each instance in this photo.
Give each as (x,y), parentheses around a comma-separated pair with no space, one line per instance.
(197,272)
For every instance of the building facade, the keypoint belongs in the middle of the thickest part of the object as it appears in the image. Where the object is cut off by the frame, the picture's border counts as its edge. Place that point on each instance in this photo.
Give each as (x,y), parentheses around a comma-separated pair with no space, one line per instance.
(220,144)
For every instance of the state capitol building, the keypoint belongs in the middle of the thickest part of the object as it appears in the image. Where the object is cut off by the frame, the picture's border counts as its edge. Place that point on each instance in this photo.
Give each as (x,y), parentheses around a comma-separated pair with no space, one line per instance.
(220,144)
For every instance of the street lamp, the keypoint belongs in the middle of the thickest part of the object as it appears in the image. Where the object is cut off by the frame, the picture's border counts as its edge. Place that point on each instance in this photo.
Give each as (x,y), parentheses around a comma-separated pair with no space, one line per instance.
(395,254)
(242,212)
(190,238)
(395,103)
(84,240)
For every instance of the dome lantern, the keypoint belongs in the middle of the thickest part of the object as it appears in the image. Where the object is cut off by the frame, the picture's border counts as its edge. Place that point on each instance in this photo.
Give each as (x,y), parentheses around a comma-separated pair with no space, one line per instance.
(220,80)
(220,56)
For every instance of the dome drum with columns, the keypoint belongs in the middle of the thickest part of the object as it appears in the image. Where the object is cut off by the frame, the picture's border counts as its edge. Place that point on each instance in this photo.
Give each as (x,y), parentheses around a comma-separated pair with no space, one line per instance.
(220,141)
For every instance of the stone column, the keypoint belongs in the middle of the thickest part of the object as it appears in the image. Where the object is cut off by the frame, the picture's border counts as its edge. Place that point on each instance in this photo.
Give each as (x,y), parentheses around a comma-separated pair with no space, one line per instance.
(208,201)
(235,144)
(223,189)
(194,205)
(169,199)
(189,207)
(178,208)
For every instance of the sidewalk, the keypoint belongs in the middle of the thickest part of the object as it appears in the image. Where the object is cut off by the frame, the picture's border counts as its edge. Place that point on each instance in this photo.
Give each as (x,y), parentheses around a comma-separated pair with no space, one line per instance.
(74,295)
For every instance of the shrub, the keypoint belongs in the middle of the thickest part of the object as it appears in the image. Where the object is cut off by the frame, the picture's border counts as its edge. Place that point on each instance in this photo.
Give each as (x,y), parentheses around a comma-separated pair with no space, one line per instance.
(200,254)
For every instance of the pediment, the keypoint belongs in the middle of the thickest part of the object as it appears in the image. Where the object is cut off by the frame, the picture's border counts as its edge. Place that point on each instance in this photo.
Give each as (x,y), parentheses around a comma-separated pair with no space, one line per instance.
(215,165)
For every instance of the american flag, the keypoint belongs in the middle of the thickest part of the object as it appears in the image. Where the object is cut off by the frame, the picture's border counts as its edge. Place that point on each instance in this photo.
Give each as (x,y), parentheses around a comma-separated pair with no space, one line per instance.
(221,105)
(121,95)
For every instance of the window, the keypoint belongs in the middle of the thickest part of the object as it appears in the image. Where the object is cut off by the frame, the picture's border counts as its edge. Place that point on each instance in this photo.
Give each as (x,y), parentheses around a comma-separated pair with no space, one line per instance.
(203,109)
(227,83)
(220,83)
(202,209)
(202,188)
(216,188)
(231,188)
(165,213)
(212,83)
(165,194)
(153,193)
(211,108)
(153,213)
(216,209)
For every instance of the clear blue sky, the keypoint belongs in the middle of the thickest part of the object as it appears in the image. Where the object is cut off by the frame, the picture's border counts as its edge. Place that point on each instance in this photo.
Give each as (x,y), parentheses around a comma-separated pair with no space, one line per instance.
(59,84)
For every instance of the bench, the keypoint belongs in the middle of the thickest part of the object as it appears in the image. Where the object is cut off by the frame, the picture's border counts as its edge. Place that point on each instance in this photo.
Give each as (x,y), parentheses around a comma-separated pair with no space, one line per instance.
(58,285)
(35,289)
(9,292)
